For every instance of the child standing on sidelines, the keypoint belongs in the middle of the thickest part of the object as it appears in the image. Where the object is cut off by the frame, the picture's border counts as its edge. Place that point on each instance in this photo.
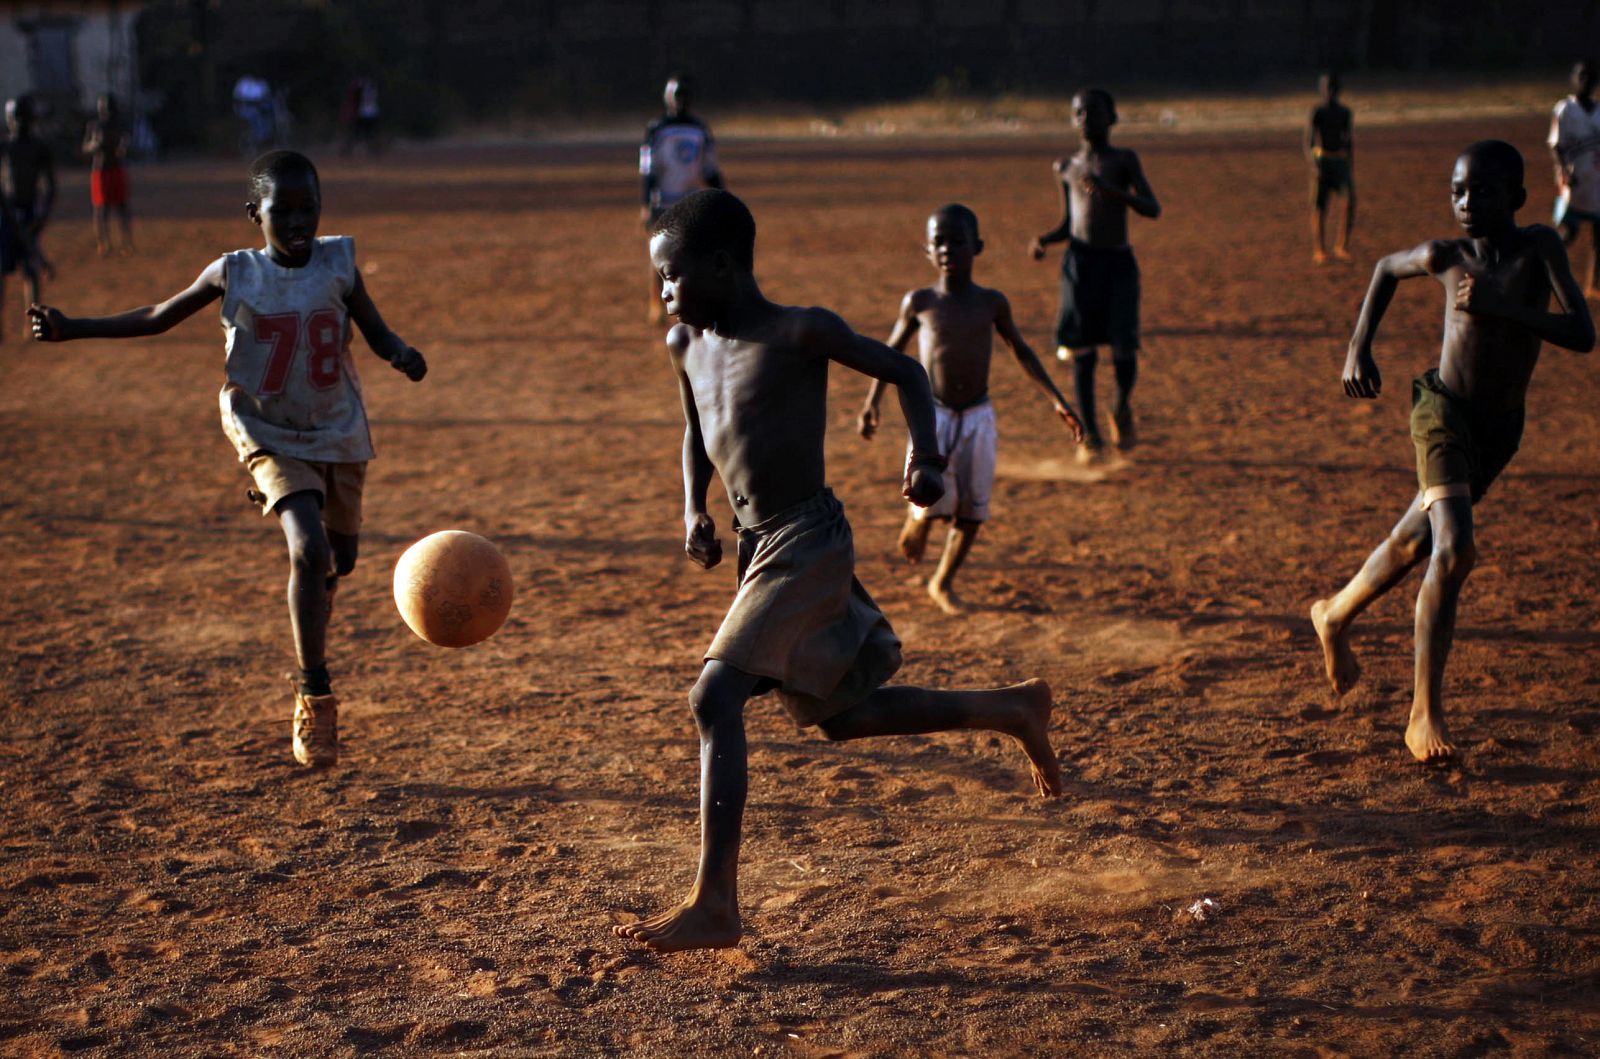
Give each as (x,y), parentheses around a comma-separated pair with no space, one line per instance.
(955,322)
(28,184)
(753,380)
(105,141)
(292,404)
(1330,148)
(677,156)
(1575,143)
(1099,277)
(1466,415)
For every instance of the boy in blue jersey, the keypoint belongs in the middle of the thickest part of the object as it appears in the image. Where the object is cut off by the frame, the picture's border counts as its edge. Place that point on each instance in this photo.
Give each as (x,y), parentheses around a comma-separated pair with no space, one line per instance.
(677,156)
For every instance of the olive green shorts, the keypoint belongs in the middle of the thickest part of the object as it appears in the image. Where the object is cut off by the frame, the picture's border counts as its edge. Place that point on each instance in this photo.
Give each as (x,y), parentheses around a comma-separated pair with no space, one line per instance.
(1460,450)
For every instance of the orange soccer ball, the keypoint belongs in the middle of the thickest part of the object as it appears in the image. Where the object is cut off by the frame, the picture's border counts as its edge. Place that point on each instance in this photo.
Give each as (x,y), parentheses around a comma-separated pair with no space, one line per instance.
(453,588)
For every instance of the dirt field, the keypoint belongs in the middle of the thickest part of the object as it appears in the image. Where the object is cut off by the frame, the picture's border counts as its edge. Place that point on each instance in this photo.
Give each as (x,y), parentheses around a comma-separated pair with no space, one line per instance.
(172,885)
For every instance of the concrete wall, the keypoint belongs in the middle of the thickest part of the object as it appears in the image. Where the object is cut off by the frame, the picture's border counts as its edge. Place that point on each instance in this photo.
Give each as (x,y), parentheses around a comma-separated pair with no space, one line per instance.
(104,53)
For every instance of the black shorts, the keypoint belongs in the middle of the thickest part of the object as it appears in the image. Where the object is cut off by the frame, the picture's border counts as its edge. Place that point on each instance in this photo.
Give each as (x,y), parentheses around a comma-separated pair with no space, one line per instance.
(1099,298)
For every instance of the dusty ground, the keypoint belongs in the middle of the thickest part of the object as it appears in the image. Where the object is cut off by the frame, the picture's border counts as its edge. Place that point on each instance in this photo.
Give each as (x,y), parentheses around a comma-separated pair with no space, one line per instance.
(171,884)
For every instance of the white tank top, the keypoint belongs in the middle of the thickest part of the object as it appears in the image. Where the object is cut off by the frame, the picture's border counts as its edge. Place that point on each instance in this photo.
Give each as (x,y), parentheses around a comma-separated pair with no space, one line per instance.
(292,387)
(1577,133)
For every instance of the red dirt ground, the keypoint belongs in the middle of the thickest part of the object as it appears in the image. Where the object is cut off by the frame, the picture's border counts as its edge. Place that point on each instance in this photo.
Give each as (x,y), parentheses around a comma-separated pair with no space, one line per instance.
(172,885)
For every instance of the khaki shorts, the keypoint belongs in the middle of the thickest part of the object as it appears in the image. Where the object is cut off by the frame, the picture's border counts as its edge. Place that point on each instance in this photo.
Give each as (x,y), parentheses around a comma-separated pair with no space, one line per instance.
(337,485)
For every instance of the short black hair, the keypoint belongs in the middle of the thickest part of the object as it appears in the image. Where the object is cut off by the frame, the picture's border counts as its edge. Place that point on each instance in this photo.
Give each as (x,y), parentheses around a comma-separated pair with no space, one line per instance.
(957,212)
(1103,96)
(1501,155)
(706,221)
(276,165)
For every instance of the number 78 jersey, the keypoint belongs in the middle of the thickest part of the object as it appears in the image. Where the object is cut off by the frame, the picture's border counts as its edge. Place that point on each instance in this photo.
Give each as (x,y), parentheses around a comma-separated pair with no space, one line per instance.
(292,387)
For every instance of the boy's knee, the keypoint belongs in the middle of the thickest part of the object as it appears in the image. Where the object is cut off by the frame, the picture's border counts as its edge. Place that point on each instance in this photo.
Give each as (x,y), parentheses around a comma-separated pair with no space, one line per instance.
(1411,547)
(1454,559)
(309,555)
(711,703)
(344,555)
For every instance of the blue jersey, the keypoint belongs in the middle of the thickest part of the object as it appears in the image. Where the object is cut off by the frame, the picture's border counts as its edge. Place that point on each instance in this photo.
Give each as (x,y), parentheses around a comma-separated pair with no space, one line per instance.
(678,156)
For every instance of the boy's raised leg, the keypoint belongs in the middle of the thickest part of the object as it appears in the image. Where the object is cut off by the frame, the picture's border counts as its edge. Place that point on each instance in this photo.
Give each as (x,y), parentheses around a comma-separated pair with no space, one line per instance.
(1021,711)
(941,586)
(1452,560)
(709,917)
(1386,567)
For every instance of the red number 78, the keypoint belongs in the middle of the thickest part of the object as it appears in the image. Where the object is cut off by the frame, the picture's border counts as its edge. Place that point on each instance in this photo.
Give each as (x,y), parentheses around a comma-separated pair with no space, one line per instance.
(324,332)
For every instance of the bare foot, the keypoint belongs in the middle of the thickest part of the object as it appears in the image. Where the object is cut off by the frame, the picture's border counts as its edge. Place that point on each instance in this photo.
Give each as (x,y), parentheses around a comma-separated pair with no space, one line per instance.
(914,538)
(1031,728)
(1428,740)
(1088,454)
(1337,658)
(945,597)
(1342,253)
(1320,257)
(689,926)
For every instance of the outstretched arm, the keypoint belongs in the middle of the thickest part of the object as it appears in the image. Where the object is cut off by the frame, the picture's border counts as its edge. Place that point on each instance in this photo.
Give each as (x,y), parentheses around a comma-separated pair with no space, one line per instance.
(904,325)
(384,342)
(1361,376)
(924,481)
(1571,328)
(50,325)
(1064,229)
(1007,327)
(699,530)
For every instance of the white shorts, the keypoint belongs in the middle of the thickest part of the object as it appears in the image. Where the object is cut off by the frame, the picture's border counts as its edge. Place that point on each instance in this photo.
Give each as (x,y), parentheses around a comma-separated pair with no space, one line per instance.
(967,439)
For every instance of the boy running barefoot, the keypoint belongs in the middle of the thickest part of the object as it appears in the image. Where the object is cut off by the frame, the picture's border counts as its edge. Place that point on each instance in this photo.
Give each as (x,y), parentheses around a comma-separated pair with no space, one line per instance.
(955,321)
(1099,276)
(753,378)
(1466,415)
(292,405)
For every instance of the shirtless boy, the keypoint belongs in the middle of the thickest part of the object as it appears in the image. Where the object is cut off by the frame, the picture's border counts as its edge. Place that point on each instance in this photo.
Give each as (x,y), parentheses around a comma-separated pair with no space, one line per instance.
(28,183)
(105,141)
(753,379)
(1330,149)
(955,321)
(1466,415)
(1099,277)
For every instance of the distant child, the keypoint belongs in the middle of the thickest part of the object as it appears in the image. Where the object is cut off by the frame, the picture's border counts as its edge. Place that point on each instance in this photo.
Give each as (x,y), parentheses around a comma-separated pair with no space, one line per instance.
(1466,415)
(105,141)
(28,183)
(1575,143)
(292,405)
(753,378)
(1099,277)
(1330,149)
(678,156)
(955,321)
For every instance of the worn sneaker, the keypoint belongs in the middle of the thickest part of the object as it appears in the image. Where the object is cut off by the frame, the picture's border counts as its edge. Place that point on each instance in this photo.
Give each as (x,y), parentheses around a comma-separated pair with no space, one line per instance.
(316,729)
